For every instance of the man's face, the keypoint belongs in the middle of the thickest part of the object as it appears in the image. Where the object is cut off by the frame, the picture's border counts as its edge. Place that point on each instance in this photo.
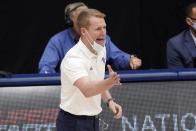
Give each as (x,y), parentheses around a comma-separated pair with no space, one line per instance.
(74,15)
(193,14)
(97,30)
(192,19)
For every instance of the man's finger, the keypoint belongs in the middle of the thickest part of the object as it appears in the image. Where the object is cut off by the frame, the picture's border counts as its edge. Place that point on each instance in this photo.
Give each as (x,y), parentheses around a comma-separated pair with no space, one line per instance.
(118,114)
(110,69)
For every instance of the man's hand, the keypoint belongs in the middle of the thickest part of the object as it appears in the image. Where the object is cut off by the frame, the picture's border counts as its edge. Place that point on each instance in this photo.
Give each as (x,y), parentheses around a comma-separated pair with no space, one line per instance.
(114,78)
(135,62)
(116,109)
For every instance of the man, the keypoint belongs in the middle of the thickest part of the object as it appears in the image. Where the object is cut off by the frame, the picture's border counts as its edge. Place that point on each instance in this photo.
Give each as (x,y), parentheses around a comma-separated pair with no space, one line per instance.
(60,43)
(82,77)
(181,49)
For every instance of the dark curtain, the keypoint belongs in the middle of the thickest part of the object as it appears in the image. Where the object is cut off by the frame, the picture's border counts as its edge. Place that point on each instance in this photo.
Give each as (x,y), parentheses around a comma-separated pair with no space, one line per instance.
(139,27)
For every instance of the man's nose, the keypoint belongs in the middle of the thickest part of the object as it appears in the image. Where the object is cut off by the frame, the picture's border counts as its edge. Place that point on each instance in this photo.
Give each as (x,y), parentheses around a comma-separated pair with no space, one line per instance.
(103,31)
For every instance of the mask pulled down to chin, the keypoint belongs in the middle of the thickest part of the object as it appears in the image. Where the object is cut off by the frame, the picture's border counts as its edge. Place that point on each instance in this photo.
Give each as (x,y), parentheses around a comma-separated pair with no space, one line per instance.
(97,47)
(194,26)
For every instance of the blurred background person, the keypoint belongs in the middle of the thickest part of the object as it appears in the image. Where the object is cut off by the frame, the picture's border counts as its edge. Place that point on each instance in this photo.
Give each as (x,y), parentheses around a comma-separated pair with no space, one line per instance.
(181,49)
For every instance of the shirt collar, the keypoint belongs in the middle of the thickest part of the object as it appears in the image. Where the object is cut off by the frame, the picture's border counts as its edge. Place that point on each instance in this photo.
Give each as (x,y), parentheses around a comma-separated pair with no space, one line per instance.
(86,51)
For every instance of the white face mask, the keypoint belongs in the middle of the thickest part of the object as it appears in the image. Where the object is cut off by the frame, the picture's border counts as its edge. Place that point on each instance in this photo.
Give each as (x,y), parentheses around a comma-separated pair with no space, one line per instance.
(97,47)
(194,26)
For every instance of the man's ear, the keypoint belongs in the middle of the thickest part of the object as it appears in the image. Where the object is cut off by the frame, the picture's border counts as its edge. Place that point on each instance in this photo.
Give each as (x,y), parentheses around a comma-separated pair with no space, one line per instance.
(188,21)
(83,31)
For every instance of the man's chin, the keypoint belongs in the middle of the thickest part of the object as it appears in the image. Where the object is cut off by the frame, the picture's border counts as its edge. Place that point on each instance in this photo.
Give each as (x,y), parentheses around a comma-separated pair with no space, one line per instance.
(102,43)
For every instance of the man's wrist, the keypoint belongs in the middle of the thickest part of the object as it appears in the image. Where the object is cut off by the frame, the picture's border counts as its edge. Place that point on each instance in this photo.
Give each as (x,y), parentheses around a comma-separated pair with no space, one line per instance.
(109,100)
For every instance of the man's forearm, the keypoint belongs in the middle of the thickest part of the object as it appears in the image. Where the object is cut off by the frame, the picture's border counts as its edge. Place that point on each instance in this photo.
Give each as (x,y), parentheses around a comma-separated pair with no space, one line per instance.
(91,88)
(105,96)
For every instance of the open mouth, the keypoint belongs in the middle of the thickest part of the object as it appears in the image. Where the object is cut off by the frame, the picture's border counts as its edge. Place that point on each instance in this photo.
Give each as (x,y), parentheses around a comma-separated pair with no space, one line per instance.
(100,41)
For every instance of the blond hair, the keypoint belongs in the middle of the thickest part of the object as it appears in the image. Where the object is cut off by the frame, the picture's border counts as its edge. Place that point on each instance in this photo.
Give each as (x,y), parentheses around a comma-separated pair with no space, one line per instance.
(85,15)
(72,7)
